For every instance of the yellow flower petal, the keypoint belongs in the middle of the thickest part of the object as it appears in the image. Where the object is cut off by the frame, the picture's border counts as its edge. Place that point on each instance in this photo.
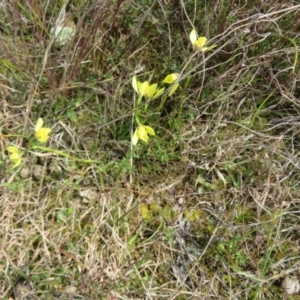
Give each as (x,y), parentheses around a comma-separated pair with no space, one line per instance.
(143,88)
(193,36)
(200,43)
(12,149)
(151,90)
(39,124)
(149,130)
(171,78)
(142,133)
(210,47)
(16,160)
(15,156)
(159,92)
(135,84)
(42,135)
(134,138)
(174,88)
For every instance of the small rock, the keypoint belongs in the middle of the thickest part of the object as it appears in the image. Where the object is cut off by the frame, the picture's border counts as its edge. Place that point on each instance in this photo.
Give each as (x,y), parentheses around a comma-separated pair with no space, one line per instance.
(25,172)
(24,291)
(38,172)
(70,289)
(290,285)
(88,194)
(55,168)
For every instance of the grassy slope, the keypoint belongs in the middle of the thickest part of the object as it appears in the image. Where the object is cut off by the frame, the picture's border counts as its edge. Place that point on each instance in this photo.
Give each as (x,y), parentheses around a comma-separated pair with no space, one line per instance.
(208,209)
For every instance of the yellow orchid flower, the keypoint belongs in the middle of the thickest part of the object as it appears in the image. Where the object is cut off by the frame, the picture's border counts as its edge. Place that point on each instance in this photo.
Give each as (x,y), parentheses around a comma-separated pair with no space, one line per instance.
(170,79)
(145,89)
(41,133)
(200,42)
(15,155)
(141,133)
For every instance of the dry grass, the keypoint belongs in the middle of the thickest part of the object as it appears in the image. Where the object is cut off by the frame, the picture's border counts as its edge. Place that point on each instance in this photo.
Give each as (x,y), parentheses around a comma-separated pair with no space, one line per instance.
(209,209)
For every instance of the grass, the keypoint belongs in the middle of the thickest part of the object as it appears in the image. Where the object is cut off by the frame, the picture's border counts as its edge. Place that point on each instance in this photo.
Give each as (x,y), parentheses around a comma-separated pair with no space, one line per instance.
(208,209)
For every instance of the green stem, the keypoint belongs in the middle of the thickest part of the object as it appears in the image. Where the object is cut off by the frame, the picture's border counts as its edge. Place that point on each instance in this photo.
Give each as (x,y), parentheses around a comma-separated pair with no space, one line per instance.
(63,154)
(296,53)
(137,120)
(162,103)
(139,100)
